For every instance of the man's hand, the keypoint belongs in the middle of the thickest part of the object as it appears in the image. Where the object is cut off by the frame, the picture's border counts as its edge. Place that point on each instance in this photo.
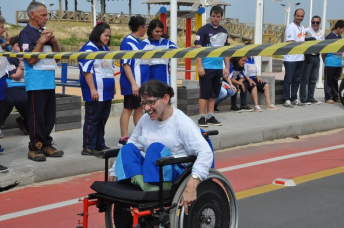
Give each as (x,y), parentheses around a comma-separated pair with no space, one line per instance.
(225,73)
(135,89)
(46,35)
(201,71)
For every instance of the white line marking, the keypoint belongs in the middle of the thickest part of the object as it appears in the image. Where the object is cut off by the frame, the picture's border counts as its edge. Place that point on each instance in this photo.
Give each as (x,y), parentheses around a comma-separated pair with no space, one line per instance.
(75,201)
(38,209)
(279,158)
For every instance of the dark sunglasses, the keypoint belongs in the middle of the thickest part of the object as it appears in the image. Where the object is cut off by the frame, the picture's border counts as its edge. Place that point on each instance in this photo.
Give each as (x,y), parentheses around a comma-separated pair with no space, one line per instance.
(148,102)
(315,22)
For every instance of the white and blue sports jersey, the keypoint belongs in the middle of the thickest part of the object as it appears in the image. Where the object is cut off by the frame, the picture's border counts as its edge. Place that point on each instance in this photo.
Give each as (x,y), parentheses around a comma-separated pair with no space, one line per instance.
(236,73)
(159,68)
(102,71)
(250,68)
(334,59)
(41,75)
(139,67)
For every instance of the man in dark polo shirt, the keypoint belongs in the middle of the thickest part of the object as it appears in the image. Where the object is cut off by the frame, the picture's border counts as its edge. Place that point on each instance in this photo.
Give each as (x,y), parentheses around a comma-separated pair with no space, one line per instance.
(39,78)
(211,70)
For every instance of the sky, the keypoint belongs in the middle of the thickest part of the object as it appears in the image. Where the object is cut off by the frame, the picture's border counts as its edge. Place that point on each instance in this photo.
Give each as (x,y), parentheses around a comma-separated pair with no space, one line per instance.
(244,10)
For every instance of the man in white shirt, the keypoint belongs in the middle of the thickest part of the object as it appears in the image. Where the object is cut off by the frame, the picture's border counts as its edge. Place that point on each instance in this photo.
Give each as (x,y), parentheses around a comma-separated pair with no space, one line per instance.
(312,64)
(293,64)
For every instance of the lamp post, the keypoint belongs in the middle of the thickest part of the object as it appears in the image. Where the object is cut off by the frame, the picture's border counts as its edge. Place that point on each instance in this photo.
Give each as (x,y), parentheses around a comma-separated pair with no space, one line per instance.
(94,12)
(285,14)
(258,30)
(296,4)
(320,84)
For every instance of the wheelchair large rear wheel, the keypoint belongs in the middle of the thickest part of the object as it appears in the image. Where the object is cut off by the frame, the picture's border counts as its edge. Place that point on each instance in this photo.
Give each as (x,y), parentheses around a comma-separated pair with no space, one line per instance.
(341,92)
(215,206)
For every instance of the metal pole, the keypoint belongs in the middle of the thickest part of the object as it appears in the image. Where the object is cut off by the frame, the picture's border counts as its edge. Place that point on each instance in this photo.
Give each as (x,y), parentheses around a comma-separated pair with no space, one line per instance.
(310,13)
(288,13)
(173,32)
(320,84)
(258,30)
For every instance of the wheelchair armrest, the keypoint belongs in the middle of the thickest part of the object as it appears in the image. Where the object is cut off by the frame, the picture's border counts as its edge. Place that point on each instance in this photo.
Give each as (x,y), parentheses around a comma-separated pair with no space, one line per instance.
(175,159)
(110,153)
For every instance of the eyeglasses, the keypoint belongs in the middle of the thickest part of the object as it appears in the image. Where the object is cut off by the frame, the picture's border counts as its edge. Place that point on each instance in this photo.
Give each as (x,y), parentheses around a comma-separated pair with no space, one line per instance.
(315,22)
(148,102)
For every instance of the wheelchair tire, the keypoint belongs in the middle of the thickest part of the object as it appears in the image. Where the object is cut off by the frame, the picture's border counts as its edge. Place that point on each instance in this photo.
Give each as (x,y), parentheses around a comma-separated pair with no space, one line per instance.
(109,222)
(341,92)
(215,206)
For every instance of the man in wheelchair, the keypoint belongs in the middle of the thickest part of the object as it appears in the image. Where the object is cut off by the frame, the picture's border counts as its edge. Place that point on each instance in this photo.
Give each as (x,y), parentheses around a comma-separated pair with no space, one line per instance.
(152,183)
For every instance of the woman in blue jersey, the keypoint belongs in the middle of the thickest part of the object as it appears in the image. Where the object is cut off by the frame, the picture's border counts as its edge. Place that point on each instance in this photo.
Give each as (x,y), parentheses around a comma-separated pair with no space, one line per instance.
(159,68)
(134,72)
(98,89)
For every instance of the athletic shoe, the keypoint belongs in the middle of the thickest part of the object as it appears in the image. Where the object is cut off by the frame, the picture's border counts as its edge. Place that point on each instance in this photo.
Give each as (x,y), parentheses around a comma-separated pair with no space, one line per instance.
(245,108)
(306,103)
(91,152)
(329,101)
(36,155)
(213,121)
(1,149)
(50,151)
(315,102)
(122,141)
(202,122)
(296,102)
(235,109)
(337,101)
(288,104)
(3,169)
(257,108)
(271,107)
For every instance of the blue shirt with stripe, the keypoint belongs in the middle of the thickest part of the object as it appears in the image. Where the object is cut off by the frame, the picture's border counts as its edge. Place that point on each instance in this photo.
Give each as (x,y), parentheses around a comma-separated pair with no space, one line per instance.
(159,68)
(105,86)
(203,38)
(34,79)
(139,67)
(334,59)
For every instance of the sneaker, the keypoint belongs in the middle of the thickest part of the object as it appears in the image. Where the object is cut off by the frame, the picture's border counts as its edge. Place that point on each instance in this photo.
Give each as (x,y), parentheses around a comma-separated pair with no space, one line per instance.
(36,155)
(91,152)
(337,101)
(213,121)
(257,109)
(296,102)
(271,107)
(288,104)
(216,109)
(235,109)
(245,108)
(1,149)
(305,103)
(329,101)
(315,102)
(51,151)
(202,122)
(3,169)
(122,141)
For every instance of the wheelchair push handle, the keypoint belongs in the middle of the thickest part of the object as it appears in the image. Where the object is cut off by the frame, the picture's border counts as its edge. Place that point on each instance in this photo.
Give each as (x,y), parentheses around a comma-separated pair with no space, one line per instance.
(211,132)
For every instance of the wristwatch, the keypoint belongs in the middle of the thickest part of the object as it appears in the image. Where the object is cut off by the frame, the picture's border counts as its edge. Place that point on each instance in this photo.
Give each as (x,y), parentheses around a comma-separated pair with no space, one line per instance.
(195,177)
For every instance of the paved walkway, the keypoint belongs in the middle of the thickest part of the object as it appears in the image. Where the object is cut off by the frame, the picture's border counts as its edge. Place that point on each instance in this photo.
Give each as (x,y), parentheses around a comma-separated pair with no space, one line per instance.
(238,129)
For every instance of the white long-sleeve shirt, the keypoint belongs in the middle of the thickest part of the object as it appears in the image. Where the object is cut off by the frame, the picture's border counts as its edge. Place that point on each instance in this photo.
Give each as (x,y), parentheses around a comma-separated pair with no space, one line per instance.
(179,134)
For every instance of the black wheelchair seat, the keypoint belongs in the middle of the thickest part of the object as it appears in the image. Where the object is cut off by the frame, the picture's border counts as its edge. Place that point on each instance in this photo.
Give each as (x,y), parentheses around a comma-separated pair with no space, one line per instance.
(127,191)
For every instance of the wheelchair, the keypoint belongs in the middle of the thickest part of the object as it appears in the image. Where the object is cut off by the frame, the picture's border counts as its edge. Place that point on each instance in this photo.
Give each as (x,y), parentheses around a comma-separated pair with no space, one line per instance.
(215,206)
(341,92)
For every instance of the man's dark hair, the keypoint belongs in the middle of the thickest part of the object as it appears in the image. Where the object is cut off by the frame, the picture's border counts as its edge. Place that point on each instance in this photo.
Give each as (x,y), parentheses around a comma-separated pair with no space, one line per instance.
(316,16)
(216,9)
(152,25)
(97,32)
(135,22)
(299,9)
(14,40)
(339,24)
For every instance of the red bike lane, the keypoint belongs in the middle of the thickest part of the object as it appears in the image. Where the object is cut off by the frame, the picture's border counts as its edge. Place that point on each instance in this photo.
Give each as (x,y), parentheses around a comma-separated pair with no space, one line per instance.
(243,175)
